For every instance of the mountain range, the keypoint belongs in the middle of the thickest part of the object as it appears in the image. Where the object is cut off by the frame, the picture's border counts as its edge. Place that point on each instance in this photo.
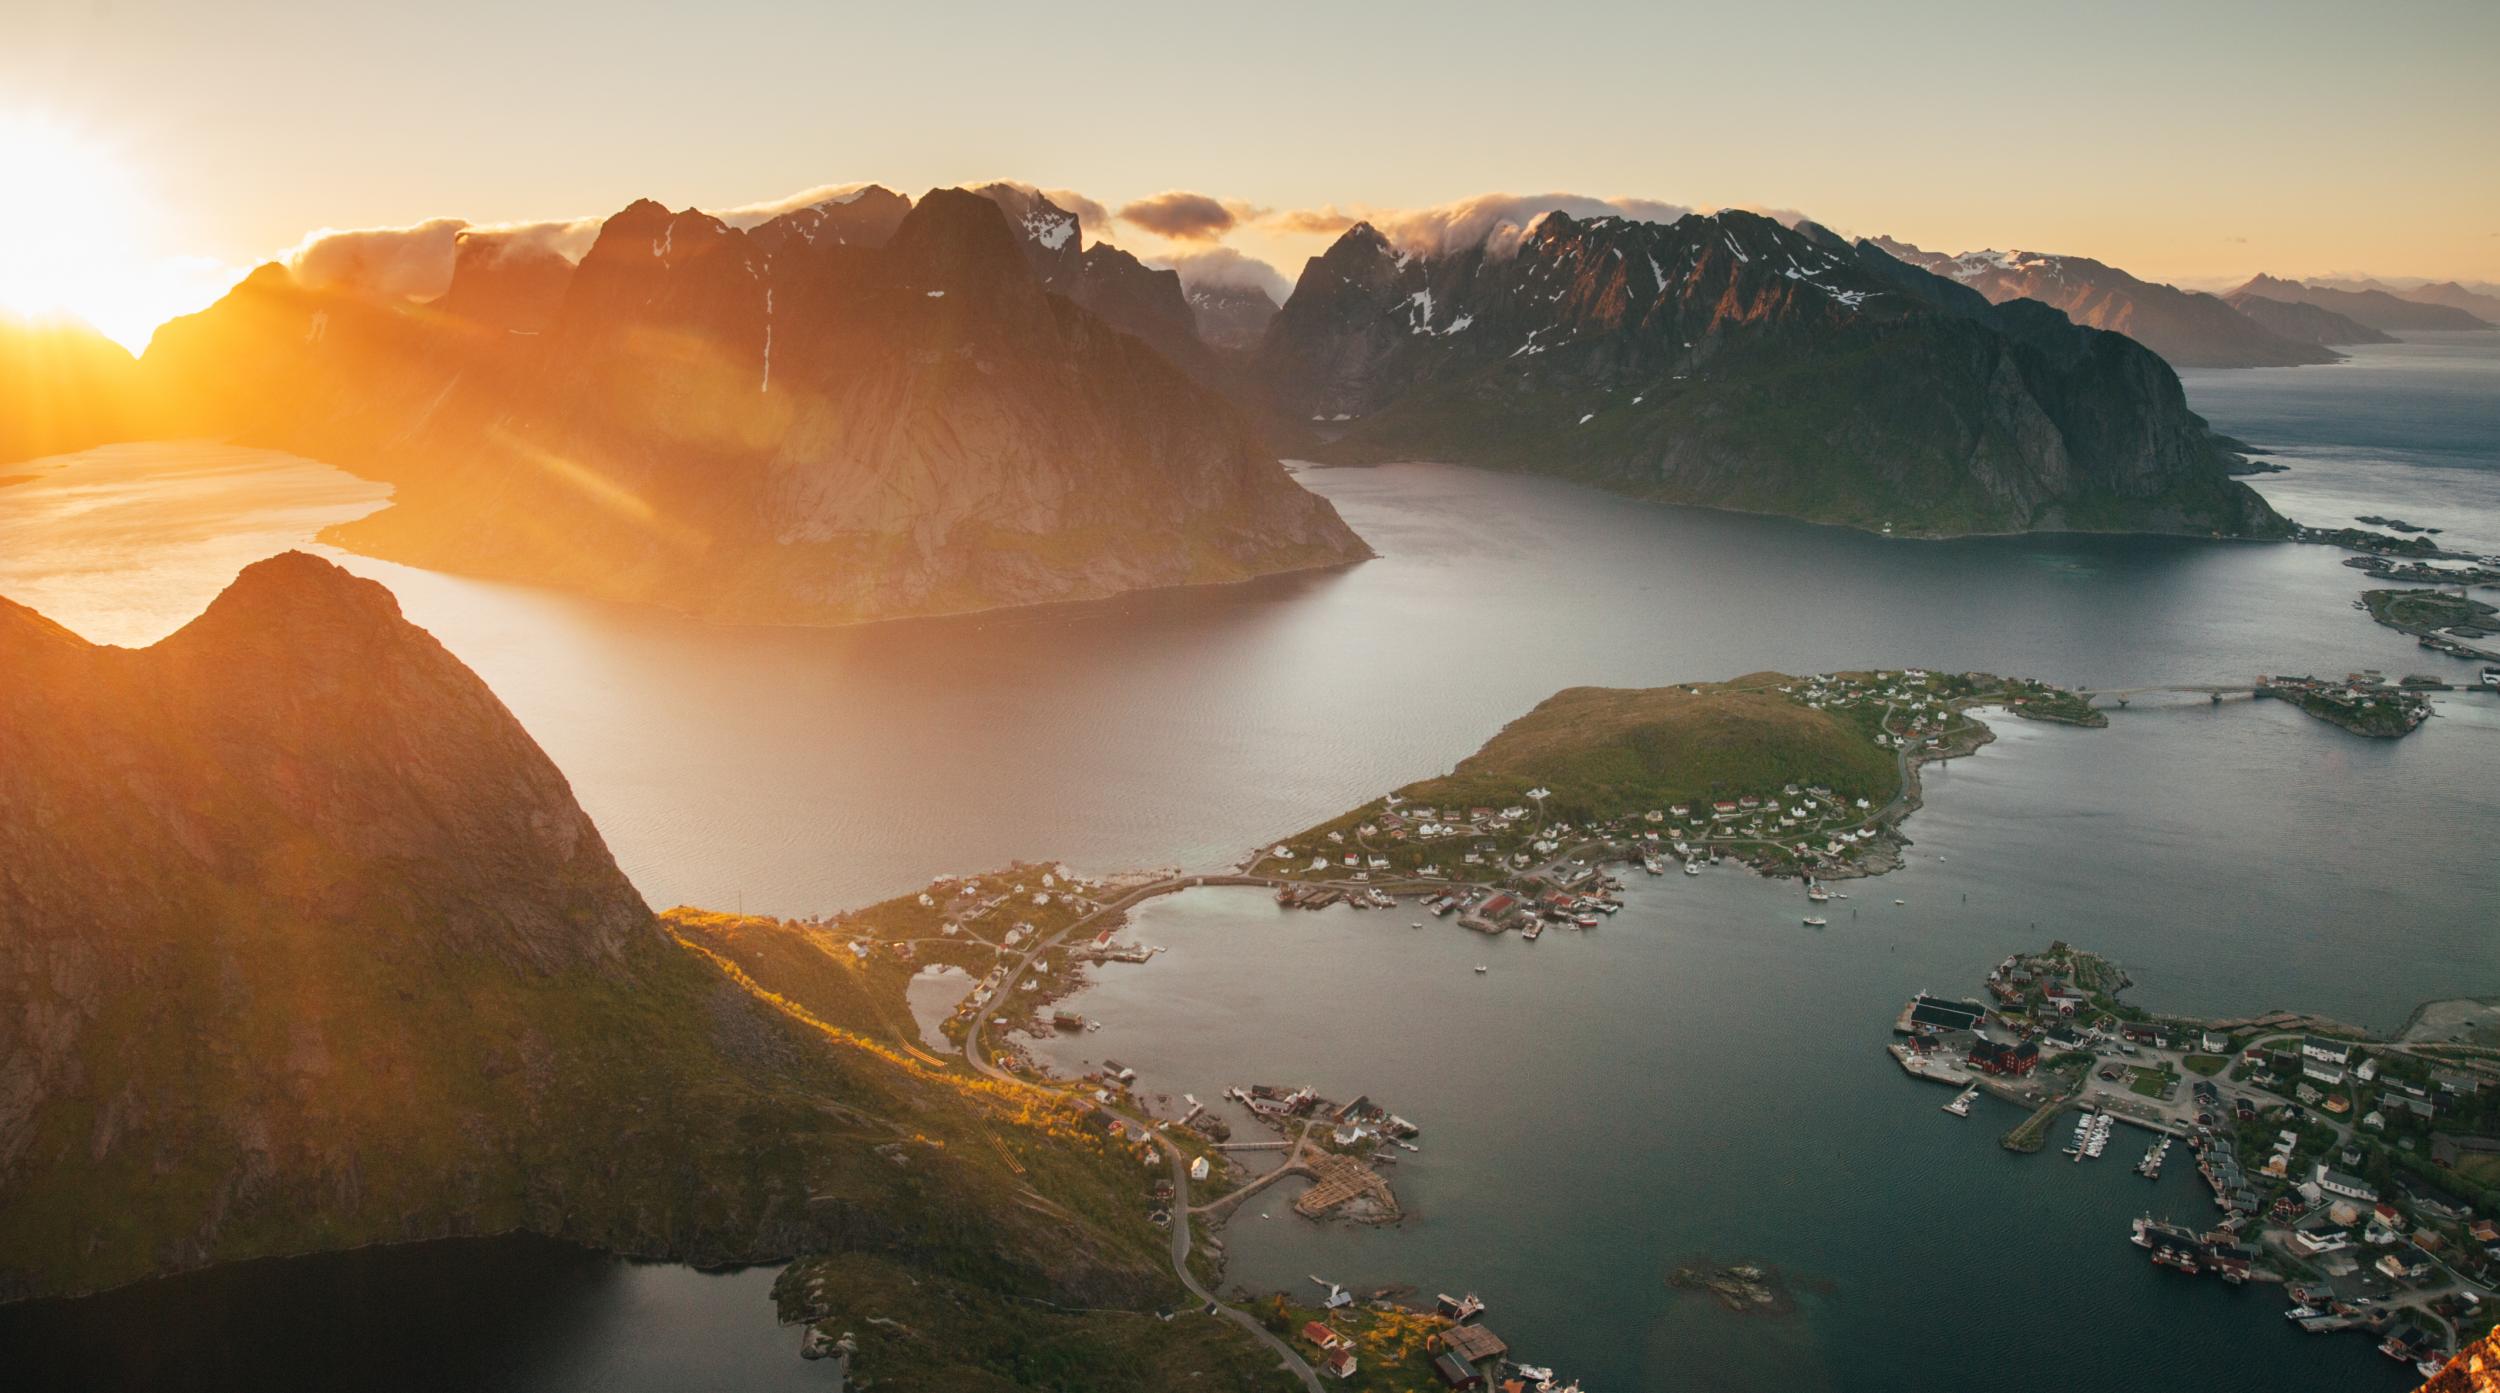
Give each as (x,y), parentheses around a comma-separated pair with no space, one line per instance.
(871,406)
(306,946)
(1728,360)
(2376,309)
(2304,323)
(854,411)
(2189,329)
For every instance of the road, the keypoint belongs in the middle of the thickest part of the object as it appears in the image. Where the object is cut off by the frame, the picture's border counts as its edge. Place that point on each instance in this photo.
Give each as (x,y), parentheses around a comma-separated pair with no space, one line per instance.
(975,1055)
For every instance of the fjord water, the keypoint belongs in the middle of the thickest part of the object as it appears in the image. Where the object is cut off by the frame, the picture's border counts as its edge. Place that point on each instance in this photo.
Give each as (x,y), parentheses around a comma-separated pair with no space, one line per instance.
(1701,1075)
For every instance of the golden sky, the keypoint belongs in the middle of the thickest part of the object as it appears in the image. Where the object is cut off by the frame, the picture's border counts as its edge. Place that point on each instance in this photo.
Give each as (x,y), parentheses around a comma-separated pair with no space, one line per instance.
(2193,142)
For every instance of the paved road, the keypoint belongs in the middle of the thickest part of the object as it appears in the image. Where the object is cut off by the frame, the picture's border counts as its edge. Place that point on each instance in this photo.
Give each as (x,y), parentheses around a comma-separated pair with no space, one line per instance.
(1291,1360)
(974,1054)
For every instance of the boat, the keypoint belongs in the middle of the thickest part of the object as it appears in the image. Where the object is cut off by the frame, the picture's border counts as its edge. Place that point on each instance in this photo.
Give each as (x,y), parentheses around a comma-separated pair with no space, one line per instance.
(1900,901)
(1534,931)
(1586,921)
(1818,894)
(1480,967)
(1960,1106)
(1692,868)
(1651,863)
(1816,921)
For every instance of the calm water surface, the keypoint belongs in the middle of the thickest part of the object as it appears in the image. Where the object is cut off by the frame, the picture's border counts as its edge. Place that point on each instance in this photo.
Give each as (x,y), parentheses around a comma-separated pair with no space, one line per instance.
(1699,1075)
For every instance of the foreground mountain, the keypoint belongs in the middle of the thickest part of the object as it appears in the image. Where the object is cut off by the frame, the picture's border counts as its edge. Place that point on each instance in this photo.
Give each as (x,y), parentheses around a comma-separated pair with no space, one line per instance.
(63,387)
(852,412)
(2189,330)
(2375,308)
(1728,361)
(304,945)
(2307,323)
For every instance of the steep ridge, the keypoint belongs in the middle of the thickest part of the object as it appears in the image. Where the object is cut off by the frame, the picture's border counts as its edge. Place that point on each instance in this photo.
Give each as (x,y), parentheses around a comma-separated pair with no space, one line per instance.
(1729,361)
(2375,308)
(809,423)
(2188,330)
(305,945)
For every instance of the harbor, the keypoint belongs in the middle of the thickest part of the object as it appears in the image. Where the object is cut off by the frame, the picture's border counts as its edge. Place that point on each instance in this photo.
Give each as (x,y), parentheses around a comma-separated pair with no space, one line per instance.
(2308,1157)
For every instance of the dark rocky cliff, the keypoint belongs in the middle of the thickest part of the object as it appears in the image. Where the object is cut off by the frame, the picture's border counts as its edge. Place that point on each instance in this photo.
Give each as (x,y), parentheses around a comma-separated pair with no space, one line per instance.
(1728,361)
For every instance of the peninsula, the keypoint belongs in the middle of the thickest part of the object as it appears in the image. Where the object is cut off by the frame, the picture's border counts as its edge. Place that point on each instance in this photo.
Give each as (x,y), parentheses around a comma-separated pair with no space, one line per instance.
(1797,776)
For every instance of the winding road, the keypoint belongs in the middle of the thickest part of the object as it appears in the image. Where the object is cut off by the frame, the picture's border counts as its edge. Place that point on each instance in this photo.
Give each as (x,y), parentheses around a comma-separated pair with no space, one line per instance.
(1290,1360)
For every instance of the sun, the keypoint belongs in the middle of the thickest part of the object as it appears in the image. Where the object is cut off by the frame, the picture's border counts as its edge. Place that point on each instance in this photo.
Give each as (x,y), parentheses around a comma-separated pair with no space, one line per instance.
(79,242)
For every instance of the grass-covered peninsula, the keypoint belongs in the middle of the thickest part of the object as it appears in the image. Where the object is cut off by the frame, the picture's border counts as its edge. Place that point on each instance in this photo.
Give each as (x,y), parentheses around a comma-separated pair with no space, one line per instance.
(1797,775)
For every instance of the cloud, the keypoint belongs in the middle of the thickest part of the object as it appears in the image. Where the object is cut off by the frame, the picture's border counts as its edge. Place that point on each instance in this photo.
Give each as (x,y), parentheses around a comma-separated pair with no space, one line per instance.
(1182,216)
(757,214)
(1326,222)
(415,262)
(1498,221)
(1227,267)
(1089,214)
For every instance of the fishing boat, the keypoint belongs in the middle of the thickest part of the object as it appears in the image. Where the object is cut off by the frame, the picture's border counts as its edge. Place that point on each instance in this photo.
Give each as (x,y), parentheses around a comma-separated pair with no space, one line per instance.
(1651,863)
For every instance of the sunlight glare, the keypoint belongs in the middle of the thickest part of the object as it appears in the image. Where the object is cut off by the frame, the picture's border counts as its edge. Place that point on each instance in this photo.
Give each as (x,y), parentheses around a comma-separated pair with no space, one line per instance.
(72,246)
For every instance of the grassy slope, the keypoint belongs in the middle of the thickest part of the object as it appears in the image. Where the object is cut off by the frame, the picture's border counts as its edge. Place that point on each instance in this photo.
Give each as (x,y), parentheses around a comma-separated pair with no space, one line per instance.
(1605,751)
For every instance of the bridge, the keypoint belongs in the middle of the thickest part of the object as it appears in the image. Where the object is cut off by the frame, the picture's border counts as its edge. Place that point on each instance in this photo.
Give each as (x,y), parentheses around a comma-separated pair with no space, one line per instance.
(2123,695)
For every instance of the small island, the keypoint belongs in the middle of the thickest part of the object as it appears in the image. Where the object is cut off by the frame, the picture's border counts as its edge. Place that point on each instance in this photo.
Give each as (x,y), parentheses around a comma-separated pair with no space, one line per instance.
(2364,703)
(2439,620)
(2361,1172)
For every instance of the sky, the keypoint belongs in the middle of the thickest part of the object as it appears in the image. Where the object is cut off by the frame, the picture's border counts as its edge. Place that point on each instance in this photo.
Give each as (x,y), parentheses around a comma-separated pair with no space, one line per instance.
(2197,143)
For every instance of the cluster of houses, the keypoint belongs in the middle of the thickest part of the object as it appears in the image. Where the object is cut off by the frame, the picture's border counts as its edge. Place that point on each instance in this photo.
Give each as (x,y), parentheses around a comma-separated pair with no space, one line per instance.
(2286,1174)
(2363,701)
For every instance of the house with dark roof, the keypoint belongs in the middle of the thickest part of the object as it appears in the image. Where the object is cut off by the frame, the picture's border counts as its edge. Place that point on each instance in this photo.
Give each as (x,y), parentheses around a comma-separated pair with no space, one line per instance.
(1997,1057)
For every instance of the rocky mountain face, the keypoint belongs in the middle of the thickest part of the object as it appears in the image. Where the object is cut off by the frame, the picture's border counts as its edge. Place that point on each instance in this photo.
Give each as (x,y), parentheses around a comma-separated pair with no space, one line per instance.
(1129,295)
(2187,329)
(821,420)
(499,282)
(63,387)
(305,945)
(1232,316)
(2376,308)
(2308,323)
(1728,361)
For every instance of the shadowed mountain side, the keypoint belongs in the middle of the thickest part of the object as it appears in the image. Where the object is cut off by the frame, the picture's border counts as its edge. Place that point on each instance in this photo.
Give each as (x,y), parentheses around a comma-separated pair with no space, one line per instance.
(305,946)
(770,426)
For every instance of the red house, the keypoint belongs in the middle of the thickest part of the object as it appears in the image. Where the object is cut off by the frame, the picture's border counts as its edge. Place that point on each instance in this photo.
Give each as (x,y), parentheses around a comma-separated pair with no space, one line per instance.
(1993,1057)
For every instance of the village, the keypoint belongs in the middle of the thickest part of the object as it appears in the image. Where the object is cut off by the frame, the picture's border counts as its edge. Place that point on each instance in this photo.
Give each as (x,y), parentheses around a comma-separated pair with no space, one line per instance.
(2365,703)
(2363,1174)
(1524,865)
(1021,939)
